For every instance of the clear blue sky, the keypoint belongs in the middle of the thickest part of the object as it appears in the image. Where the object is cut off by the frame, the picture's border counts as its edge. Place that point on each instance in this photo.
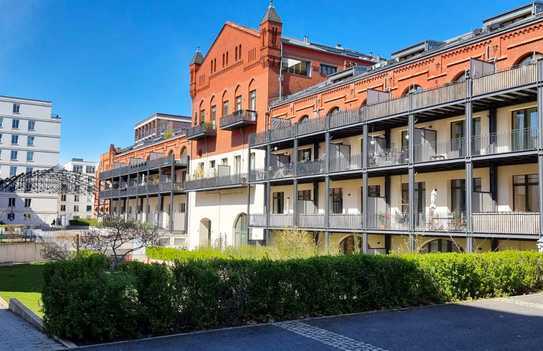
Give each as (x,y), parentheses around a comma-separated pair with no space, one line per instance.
(106,64)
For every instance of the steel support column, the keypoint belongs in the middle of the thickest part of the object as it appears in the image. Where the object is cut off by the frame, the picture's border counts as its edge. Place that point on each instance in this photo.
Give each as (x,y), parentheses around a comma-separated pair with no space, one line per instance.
(468,135)
(411,182)
(540,148)
(295,184)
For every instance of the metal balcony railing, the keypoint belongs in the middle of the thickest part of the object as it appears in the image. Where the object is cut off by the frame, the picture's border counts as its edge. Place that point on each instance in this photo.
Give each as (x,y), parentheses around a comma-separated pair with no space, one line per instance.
(440,222)
(442,95)
(310,220)
(216,182)
(451,149)
(350,163)
(345,118)
(201,131)
(238,119)
(256,175)
(387,108)
(517,140)
(257,220)
(281,220)
(109,193)
(512,78)
(388,157)
(313,167)
(143,166)
(345,221)
(311,125)
(526,223)
(282,133)
(277,172)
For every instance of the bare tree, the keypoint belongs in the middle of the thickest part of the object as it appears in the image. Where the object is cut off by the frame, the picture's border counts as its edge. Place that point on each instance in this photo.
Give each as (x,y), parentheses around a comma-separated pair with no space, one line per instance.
(119,238)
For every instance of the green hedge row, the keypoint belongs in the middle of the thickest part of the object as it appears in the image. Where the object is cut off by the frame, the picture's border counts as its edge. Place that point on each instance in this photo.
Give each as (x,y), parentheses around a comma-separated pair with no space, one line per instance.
(86,302)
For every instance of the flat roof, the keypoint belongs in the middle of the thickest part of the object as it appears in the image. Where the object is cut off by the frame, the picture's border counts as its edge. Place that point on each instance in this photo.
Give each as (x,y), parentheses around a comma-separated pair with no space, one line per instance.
(155,115)
(24,99)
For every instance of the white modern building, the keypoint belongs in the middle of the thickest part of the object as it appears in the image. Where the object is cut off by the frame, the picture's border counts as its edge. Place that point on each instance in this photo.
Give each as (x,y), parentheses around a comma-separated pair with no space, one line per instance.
(29,141)
(77,205)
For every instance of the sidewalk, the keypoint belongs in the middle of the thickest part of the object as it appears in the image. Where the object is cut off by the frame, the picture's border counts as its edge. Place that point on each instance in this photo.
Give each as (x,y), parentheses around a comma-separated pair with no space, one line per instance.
(18,335)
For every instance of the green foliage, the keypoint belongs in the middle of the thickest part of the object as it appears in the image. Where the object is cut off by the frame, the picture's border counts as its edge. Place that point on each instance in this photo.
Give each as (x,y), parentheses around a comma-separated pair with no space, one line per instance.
(84,222)
(86,301)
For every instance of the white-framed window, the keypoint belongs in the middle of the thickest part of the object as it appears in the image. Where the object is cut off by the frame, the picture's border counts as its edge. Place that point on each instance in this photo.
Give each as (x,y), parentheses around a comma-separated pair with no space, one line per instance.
(13,155)
(30,140)
(89,209)
(30,155)
(28,202)
(76,208)
(1,122)
(29,170)
(11,202)
(90,169)
(14,139)
(63,197)
(31,125)
(16,108)
(296,66)
(15,124)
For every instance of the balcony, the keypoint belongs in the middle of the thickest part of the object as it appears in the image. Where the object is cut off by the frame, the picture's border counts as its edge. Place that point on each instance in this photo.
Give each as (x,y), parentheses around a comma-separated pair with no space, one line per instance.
(516,77)
(311,220)
(392,156)
(443,95)
(201,131)
(382,217)
(238,119)
(521,223)
(518,140)
(109,193)
(349,162)
(452,149)
(281,171)
(311,125)
(388,108)
(143,166)
(220,181)
(345,221)
(281,220)
(345,118)
(308,168)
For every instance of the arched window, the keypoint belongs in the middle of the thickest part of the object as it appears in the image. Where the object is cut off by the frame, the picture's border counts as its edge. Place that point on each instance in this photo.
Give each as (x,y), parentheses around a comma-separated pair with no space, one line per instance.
(202,113)
(412,89)
(529,59)
(460,77)
(333,110)
(303,119)
(240,230)
(225,104)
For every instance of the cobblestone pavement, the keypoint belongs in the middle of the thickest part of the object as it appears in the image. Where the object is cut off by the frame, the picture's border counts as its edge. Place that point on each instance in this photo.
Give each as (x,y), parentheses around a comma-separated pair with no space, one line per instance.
(18,335)
(496,324)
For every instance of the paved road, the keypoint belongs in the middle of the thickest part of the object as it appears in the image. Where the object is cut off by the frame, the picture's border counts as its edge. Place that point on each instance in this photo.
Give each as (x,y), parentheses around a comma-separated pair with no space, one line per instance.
(18,335)
(496,324)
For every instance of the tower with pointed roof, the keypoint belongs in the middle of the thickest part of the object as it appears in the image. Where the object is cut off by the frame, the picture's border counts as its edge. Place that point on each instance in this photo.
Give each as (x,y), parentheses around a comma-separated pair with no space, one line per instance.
(271,28)
(196,61)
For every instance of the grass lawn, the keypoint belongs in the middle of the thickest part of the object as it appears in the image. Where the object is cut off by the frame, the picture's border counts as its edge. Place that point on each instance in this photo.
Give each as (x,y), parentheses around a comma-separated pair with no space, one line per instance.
(23,282)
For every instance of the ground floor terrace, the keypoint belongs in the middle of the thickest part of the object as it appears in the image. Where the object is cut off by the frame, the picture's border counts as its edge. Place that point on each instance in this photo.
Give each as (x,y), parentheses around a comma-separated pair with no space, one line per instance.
(411,209)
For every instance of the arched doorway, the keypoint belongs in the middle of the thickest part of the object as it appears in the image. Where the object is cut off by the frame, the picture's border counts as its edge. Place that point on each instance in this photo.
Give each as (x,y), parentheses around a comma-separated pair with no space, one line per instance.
(240,230)
(440,245)
(204,233)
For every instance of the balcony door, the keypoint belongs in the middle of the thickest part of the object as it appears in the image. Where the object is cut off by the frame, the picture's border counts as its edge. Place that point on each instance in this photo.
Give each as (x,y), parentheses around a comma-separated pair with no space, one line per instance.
(425,144)
(458,196)
(340,156)
(525,193)
(524,129)
(457,141)
(305,203)
(420,202)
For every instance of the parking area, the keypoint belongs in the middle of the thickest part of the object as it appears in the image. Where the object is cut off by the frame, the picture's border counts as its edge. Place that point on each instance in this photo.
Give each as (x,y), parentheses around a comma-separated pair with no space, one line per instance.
(514,323)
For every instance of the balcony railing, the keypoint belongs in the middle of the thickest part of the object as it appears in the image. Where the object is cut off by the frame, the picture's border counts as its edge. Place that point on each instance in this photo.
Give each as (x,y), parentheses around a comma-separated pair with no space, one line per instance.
(109,193)
(345,118)
(238,119)
(311,220)
(311,125)
(345,221)
(143,166)
(387,108)
(388,157)
(508,79)
(282,133)
(257,175)
(313,167)
(278,172)
(340,164)
(201,131)
(281,220)
(441,151)
(446,94)
(439,222)
(526,223)
(216,182)
(257,220)
(515,141)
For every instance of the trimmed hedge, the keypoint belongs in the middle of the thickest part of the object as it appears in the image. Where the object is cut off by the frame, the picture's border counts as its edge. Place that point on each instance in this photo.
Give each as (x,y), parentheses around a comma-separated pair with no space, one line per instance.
(85,302)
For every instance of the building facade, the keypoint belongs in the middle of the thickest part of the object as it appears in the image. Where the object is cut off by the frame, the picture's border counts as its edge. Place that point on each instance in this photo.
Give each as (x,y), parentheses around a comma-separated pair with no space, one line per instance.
(29,141)
(436,149)
(80,205)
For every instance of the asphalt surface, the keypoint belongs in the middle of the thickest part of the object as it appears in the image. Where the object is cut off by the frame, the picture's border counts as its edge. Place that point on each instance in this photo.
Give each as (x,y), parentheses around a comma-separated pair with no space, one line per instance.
(496,324)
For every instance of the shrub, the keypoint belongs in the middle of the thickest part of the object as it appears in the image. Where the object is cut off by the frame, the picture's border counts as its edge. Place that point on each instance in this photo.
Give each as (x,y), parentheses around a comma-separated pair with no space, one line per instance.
(86,301)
